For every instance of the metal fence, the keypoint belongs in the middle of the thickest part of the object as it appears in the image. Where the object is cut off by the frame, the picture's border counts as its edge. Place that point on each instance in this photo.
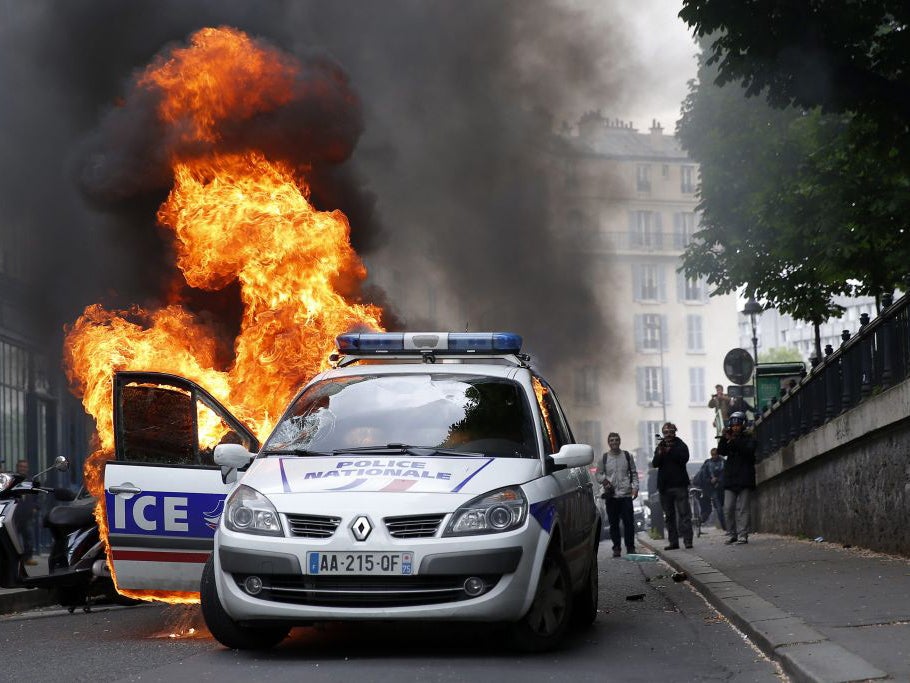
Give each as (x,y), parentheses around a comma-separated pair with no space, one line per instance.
(874,359)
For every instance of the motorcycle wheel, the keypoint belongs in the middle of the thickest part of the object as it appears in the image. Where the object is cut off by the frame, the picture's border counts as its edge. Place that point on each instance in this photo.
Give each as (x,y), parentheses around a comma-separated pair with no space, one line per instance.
(227,631)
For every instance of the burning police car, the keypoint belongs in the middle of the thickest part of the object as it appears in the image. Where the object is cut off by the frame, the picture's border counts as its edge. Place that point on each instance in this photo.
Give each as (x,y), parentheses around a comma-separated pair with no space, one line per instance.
(426,476)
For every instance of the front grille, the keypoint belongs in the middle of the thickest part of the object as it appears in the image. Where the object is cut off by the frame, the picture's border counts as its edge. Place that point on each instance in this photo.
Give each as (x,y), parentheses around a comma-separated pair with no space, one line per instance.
(413,526)
(313,526)
(366,591)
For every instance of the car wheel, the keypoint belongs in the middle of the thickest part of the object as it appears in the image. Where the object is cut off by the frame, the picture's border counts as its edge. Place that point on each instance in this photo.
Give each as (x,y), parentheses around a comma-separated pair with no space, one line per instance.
(584,611)
(543,627)
(227,631)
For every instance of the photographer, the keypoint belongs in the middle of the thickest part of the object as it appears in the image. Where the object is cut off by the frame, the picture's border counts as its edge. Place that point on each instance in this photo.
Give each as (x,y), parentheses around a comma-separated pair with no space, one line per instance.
(670,458)
(737,447)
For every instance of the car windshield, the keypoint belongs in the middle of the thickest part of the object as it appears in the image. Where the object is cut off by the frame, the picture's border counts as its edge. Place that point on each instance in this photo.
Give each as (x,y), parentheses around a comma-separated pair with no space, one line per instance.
(451,412)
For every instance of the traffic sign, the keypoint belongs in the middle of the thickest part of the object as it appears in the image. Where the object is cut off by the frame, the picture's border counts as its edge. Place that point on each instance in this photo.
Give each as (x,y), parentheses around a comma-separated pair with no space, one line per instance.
(738,366)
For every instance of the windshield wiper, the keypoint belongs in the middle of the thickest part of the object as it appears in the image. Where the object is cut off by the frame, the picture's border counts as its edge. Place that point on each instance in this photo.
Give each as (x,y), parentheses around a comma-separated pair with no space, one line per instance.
(295,451)
(403,448)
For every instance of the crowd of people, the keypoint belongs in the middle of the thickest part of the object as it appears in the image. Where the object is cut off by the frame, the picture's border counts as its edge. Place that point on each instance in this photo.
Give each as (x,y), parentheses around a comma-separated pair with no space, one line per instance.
(726,481)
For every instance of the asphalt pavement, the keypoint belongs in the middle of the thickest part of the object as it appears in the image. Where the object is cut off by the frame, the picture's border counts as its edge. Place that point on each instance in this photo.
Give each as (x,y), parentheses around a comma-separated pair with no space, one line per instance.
(825,612)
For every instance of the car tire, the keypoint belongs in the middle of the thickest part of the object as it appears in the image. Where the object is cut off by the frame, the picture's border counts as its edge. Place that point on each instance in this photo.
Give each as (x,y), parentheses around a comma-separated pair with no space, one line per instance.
(545,623)
(584,609)
(224,629)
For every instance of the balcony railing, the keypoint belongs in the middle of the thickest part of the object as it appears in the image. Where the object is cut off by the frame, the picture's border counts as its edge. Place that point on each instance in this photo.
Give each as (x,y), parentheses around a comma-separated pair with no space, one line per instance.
(876,358)
(635,242)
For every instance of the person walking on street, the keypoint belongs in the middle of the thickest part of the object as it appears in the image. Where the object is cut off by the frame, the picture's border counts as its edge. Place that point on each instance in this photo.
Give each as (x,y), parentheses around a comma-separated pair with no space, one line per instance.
(712,475)
(738,449)
(670,458)
(617,474)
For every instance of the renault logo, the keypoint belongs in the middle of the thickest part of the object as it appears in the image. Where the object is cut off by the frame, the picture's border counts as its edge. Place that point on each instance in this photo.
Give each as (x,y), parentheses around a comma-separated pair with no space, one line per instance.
(361,528)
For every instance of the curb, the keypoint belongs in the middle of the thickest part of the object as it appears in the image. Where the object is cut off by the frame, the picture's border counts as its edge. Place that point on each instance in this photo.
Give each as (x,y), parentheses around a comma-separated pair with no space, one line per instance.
(16,600)
(804,654)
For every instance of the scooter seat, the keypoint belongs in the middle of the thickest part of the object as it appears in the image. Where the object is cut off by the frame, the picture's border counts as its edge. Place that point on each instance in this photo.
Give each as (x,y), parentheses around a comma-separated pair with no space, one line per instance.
(73,515)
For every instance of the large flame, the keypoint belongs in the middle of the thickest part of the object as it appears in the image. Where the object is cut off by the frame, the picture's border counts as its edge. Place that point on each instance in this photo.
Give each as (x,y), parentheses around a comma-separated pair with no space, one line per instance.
(235,216)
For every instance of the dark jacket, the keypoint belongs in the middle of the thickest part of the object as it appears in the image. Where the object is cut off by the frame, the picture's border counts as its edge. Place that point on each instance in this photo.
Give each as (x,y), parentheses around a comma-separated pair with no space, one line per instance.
(739,468)
(671,465)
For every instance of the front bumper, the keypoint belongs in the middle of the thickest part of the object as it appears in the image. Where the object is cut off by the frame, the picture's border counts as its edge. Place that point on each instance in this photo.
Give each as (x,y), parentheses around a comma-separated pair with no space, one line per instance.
(507,564)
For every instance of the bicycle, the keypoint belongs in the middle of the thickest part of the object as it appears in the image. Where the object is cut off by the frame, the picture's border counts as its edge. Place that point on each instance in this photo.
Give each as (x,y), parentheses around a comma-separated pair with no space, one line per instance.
(695,508)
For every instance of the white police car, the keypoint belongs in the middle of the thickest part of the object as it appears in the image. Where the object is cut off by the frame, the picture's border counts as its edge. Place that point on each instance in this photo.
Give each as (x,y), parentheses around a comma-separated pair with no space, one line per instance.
(427,476)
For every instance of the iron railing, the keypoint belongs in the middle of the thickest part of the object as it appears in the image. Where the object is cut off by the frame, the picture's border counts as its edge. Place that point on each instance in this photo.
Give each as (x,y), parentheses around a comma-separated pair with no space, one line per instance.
(876,358)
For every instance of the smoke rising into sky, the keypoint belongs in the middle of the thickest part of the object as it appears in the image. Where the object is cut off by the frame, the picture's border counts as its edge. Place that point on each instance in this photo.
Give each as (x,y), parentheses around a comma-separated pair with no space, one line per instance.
(449,143)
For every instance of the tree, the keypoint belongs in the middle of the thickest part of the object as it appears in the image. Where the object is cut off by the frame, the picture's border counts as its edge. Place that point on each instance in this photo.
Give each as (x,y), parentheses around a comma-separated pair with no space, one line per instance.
(781,354)
(797,206)
(840,55)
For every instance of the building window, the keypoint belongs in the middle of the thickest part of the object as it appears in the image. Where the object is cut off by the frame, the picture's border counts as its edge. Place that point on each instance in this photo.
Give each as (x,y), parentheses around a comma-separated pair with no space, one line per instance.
(650,333)
(697,386)
(691,290)
(683,229)
(649,435)
(652,385)
(648,282)
(586,386)
(687,176)
(13,390)
(645,229)
(695,342)
(665,170)
(589,433)
(699,441)
(643,178)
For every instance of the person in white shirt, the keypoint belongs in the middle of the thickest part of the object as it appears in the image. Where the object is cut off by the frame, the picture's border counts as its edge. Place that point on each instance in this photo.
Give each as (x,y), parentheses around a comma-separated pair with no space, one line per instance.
(617,474)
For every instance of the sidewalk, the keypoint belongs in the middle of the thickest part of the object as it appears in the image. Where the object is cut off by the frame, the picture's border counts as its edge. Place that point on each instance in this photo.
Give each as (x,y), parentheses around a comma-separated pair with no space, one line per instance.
(825,612)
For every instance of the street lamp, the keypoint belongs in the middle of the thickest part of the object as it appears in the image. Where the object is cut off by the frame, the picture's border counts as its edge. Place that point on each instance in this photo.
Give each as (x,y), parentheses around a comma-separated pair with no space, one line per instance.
(752,309)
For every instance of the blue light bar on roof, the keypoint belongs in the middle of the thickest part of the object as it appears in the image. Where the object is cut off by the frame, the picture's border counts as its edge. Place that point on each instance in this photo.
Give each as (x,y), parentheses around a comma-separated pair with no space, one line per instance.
(358,343)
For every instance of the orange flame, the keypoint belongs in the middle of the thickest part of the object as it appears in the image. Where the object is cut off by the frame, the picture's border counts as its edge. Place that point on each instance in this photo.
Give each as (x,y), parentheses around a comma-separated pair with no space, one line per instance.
(234,216)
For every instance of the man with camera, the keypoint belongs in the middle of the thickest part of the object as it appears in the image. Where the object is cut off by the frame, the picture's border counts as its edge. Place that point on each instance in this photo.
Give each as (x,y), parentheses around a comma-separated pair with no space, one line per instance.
(617,474)
(670,458)
(737,447)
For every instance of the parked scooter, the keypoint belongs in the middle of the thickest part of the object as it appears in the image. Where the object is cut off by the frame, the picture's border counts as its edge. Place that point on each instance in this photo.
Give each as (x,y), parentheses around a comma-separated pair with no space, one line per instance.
(77,574)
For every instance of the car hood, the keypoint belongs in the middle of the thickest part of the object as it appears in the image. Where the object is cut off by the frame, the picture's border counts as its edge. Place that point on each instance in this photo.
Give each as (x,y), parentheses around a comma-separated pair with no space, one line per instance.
(387,473)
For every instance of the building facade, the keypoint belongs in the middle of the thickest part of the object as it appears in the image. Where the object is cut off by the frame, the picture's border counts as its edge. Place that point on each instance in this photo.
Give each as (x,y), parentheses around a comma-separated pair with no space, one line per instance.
(39,418)
(628,200)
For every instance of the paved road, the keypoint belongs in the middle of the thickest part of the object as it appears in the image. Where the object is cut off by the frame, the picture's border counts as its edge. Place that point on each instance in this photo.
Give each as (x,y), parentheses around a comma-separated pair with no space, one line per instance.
(669,634)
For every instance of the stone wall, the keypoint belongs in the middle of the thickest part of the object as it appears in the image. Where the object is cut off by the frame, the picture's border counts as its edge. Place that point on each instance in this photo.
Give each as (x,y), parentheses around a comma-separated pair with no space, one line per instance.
(848,481)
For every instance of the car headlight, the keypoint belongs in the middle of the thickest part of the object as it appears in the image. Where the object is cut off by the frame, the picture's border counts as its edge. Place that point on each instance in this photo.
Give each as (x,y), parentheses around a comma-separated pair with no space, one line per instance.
(491,513)
(6,481)
(249,512)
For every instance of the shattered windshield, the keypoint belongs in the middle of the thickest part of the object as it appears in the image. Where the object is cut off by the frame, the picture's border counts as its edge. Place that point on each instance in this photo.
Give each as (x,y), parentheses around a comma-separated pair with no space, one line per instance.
(470,414)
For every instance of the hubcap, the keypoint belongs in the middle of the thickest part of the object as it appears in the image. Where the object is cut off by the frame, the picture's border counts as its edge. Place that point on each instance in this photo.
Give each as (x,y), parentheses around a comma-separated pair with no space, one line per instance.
(549,608)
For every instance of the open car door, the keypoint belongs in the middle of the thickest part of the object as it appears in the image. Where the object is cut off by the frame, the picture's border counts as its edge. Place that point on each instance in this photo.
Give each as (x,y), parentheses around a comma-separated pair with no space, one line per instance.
(163,493)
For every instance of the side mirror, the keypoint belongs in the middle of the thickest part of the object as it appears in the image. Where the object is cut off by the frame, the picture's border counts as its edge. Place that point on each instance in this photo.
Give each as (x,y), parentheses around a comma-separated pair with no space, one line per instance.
(61,463)
(573,455)
(232,455)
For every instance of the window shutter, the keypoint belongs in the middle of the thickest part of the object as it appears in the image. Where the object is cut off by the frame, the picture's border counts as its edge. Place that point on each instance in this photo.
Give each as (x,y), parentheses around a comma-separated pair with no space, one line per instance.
(664,334)
(643,439)
(661,283)
(704,290)
(680,287)
(665,386)
(633,229)
(636,282)
(678,230)
(658,230)
(639,332)
(640,385)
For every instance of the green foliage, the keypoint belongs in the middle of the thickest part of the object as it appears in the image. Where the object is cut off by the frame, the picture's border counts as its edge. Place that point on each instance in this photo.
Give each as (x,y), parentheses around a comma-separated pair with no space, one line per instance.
(797,206)
(781,354)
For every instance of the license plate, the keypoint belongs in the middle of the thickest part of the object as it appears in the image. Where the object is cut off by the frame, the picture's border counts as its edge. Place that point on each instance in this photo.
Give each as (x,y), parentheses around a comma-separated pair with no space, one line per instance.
(392,564)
